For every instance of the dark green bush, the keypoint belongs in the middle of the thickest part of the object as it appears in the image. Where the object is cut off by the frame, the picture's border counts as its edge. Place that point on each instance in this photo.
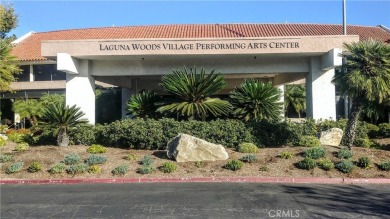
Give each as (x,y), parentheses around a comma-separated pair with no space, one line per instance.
(120,170)
(58,168)
(267,133)
(14,168)
(344,154)
(71,159)
(168,167)
(384,130)
(345,166)
(4,158)
(250,158)
(326,164)
(83,134)
(364,162)
(94,159)
(315,153)
(308,141)
(372,130)
(77,168)
(234,165)
(96,149)
(307,163)
(384,166)
(34,167)
(247,148)
(363,142)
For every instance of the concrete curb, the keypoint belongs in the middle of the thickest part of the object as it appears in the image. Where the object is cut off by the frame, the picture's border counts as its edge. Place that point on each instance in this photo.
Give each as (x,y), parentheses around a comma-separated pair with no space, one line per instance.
(301,180)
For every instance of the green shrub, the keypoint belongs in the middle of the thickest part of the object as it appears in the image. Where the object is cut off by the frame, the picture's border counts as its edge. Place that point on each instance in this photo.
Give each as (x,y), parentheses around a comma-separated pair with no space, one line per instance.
(372,130)
(286,155)
(363,142)
(58,168)
(234,165)
(14,168)
(145,170)
(34,167)
(72,158)
(83,134)
(97,149)
(168,167)
(21,147)
(3,142)
(131,157)
(199,164)
(5,158)
(307,163)
(364,162)
(345,166)
(344,154)
(120,170)
(77,168)
(94,169)
(326,164)
(271,133)
(384,130)
(15,137)
(250,158)
(308,141)
(247,148)
(315,153)
(384,166)
(95,159)
(147,161)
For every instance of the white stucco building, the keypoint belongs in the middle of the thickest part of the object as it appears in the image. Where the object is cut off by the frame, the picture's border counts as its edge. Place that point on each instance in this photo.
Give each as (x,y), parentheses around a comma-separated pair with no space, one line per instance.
(135,57)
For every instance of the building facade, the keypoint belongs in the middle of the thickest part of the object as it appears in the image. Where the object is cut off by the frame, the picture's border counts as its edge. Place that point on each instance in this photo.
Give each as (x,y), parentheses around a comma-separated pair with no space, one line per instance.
(134,58)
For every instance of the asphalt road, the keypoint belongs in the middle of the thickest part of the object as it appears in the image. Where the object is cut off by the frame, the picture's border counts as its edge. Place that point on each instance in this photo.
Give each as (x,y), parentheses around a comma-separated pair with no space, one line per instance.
(195,200)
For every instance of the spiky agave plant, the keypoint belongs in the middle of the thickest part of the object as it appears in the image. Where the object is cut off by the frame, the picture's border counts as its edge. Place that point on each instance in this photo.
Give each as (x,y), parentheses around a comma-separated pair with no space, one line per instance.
(256,101)
(193,93)
(61,118)
(143,104)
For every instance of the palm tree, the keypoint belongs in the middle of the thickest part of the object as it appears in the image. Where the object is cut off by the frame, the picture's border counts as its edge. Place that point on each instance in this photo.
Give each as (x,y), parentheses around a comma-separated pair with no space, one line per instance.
(192,94)
(143,104)
(365,76)
(30,109)
(8,65)
(295,96)
(256,101)
(61,118)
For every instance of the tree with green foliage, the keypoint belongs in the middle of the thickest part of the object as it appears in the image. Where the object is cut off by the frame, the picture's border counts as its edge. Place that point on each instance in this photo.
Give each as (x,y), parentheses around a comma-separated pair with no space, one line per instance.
(48,99)
(364,76)
(61,118)
(255,100)
(31,109)
(192,94)
(143,104)
(295,97)
(8,63)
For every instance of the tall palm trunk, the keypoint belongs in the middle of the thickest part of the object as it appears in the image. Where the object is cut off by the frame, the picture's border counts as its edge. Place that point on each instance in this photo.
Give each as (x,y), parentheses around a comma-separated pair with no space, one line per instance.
(350,130)
(62,138)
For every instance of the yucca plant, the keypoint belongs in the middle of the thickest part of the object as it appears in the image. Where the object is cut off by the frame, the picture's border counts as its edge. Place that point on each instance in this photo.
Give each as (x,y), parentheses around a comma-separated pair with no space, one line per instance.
(192,94)
(255,100)
(364,76)
(61,118)
(143,104)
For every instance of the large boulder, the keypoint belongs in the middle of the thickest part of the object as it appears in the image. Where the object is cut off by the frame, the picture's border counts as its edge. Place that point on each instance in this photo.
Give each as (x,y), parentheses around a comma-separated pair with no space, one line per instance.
(331,137)
(188,148)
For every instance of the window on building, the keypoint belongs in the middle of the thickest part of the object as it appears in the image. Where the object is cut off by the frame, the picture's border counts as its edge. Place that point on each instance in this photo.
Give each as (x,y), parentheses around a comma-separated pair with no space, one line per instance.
(48,73)
(24,74)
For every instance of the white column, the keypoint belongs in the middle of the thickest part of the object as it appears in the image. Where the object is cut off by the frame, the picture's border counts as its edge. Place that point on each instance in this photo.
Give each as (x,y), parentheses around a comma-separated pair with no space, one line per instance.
(31,73)
(126,94)
(281,99)
(320,92)
(80,89)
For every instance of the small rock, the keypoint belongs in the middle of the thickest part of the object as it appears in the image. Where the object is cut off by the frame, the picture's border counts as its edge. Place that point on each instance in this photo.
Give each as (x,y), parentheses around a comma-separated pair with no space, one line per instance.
(188,148)
(331,137)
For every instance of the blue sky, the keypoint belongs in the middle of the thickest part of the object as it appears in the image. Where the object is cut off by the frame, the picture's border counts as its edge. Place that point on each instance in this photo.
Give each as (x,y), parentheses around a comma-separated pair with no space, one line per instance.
(42,16)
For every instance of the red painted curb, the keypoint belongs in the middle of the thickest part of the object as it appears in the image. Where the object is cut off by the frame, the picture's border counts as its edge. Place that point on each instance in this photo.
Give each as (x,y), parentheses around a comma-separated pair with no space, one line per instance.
(203,179)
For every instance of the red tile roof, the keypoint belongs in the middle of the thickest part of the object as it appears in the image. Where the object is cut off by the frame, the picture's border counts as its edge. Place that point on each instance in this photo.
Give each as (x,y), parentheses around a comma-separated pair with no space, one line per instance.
(30,48)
